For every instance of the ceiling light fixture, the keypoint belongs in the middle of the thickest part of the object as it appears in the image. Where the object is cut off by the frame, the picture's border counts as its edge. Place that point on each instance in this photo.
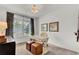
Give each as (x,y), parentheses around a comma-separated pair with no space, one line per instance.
(34,9)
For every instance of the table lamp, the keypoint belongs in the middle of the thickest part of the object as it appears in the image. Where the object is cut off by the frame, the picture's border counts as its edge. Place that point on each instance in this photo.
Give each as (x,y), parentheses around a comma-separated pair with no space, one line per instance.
(3,26)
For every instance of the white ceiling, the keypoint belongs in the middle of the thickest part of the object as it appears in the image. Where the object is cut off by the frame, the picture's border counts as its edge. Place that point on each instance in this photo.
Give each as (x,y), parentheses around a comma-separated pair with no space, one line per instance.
(25,9)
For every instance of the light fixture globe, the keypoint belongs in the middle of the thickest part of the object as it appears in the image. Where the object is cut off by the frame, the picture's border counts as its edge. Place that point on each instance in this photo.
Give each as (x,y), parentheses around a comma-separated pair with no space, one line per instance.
(34,9)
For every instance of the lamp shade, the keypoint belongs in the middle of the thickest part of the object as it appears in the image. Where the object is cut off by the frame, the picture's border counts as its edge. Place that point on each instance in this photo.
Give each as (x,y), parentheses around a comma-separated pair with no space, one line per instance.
(3,25)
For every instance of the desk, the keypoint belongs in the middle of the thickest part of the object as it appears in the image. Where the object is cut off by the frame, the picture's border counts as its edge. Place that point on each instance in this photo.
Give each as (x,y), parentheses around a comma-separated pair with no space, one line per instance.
(37,48)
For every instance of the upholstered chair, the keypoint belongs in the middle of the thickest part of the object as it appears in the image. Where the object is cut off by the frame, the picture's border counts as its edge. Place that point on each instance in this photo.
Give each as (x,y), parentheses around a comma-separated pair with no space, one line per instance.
(44,39)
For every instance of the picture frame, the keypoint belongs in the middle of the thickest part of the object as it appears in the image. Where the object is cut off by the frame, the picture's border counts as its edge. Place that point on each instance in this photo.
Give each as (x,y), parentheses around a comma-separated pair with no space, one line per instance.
(44,27)
(54,27)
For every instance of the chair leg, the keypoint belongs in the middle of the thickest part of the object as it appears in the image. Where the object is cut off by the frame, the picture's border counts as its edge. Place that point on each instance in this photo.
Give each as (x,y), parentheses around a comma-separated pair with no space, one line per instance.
(47,45)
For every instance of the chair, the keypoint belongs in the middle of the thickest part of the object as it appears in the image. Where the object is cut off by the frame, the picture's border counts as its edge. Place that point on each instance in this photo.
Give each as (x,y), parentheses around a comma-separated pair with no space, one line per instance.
(44,39)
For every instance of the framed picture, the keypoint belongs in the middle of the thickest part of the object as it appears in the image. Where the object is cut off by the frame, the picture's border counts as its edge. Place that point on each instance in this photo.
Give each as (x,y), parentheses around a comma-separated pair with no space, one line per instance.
(54,26)
(44,27)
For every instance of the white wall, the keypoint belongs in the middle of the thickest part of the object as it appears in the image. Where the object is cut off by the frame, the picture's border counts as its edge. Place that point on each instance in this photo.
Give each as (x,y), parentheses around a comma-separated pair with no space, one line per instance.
(36,26)
(10,8)
(2,14)
(67,18)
